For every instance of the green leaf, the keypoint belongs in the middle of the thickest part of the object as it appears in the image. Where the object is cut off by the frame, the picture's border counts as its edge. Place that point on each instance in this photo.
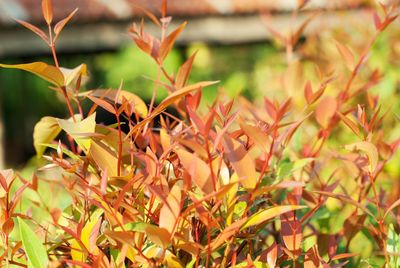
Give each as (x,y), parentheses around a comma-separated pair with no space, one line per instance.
(287,167)
(81,130)
(268,214)
(44,132)
(34,249)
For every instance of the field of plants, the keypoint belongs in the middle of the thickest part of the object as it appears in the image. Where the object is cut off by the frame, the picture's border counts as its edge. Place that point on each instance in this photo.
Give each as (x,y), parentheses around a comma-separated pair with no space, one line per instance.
(290,160)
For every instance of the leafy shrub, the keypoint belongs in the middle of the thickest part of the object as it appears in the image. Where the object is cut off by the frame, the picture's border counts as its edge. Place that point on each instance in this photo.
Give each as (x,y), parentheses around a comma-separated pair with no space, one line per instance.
(234,186)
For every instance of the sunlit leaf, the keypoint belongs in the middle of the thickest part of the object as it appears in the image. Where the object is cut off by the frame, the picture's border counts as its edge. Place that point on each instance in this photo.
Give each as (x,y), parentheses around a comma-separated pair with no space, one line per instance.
(139,105)
(393,247)
(34,249)
(198,169)
(170,211)
(77,130)
(104,157)
(349,123)
(47,72)
(241,162)
(169,41)
(184,71)
(34,29)
(47,9)
(268,214)
(77,252)
(71,75)
(44,132)
(369,149)
(61,24)
(325,111)
(291,232)
(347,55)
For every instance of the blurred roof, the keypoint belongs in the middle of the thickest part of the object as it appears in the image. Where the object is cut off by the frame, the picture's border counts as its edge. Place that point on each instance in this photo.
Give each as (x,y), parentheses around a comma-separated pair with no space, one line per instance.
(101,25)
(98,10)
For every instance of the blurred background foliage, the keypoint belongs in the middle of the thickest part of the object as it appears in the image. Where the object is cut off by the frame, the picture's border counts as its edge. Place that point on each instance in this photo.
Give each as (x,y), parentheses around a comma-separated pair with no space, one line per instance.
(250,70)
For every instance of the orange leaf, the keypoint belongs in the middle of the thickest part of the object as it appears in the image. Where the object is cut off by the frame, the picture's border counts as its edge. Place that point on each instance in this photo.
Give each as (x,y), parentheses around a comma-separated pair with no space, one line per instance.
(170,100)
(184,71)
(349,123)
(308,92)
(157,235)
(241,162)
(312,258)
(369,149)
(344,256)
(261,139)
(47,9)
(170,211)
(34,29)
(139,105)
(347,55)
(103,104)
(48,72)
(268,214)
(168,42)
(325,110)
(227,233)
(291,232)
(61,24)
(198,170)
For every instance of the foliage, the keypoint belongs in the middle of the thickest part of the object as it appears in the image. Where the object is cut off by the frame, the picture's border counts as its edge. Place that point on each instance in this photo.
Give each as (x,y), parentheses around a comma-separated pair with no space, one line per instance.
(234,185)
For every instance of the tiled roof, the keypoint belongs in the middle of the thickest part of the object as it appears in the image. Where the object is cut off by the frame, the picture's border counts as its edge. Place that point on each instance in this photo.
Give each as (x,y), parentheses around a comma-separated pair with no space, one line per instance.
(100,10)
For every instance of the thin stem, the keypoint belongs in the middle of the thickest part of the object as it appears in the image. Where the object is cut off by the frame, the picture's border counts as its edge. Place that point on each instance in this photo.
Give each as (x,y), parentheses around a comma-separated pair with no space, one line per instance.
(63,88)
(119,144)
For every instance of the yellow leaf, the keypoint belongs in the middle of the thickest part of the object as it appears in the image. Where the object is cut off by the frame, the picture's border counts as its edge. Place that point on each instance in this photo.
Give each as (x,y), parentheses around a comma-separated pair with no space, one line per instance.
(369,149)
(48,72)
(268,214)
(77,252)
(104,157)
(44,132)
(72,74)
(80,130)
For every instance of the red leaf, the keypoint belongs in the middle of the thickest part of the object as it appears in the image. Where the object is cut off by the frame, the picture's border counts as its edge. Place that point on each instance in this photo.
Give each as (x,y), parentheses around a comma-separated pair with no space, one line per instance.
(377,21)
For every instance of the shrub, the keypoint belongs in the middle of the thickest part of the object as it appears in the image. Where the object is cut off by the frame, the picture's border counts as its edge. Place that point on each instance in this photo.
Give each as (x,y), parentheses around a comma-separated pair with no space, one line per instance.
(234,186)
